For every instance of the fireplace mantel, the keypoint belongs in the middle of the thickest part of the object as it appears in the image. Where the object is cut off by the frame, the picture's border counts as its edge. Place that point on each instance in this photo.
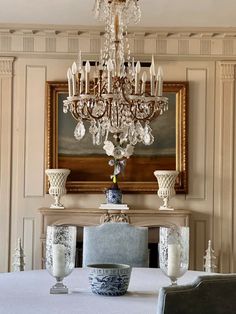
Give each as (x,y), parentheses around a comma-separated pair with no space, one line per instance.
(89,217)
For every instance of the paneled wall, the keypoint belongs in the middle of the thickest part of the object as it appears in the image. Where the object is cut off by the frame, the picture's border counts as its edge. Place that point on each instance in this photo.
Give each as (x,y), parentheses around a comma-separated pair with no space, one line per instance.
(5,158)
(45,56)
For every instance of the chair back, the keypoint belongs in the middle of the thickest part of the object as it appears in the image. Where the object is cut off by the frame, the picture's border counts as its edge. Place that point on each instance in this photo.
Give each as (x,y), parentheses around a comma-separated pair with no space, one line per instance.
(116,243)
(213,294)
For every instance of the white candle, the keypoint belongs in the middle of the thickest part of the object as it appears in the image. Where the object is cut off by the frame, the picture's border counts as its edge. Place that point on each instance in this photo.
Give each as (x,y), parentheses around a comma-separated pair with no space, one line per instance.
(74,71)
(87,71)
(69,77)
(133,69)
(173,260)
(109,75)
(160,81)
(79,61)
(81,81)
(101,60)
(144,78)
(137,70)
(58,260)
(152,76)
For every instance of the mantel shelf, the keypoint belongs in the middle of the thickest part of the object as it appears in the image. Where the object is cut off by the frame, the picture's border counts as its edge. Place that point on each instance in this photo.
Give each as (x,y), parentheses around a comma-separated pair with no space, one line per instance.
(81,217)
(89,217)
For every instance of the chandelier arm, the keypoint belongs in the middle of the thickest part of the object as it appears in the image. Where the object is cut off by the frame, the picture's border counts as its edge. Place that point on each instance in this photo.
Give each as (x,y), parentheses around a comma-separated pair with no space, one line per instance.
(99,87)
(152,112)
(75,115)
(109,111)
(90,112)
(129,102)
(150,117)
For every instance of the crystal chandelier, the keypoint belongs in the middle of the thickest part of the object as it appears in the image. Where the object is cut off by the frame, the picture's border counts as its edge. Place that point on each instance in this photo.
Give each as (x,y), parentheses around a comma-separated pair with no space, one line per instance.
(116,101)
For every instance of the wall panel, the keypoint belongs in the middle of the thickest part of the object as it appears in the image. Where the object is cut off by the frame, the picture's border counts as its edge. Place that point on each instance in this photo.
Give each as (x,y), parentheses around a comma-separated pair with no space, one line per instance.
(5,158)
(34,130)
(197,132)
(200,230)
(28,242)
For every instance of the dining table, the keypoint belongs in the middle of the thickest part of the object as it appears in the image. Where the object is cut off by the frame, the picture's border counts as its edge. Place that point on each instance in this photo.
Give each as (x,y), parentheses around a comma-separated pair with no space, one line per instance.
(28,292)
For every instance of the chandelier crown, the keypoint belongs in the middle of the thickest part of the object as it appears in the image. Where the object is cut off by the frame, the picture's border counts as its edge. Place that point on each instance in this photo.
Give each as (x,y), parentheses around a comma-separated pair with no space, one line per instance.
(116,101)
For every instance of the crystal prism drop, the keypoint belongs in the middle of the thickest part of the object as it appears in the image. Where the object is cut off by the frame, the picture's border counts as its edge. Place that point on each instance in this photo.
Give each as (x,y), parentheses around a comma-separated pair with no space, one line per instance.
(79,131)
(148,138)
(139,131)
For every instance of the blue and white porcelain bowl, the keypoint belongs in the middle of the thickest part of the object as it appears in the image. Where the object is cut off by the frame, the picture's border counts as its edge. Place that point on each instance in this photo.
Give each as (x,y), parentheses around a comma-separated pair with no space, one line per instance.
(109,279)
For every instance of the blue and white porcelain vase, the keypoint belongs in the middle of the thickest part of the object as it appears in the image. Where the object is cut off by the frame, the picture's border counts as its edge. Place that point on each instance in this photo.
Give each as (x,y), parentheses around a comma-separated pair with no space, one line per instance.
(113,195)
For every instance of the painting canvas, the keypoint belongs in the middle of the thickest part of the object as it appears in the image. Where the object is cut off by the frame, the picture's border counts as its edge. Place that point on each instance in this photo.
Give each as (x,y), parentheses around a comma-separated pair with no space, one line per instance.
(90,171)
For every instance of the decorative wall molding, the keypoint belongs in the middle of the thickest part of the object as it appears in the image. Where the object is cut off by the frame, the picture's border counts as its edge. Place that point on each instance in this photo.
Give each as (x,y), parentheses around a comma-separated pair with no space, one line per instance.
(193,43)
(197,147)
(118,217)
(34,120)
(224,199)
(6,66)
(6,89)
(227,70)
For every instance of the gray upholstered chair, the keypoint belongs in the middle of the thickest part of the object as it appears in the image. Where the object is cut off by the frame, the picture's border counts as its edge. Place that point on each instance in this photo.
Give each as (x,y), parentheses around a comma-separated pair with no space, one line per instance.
(116,243)
(213,294)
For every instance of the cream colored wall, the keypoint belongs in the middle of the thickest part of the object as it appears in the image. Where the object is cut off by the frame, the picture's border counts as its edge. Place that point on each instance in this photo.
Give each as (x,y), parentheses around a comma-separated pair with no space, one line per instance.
(211,138)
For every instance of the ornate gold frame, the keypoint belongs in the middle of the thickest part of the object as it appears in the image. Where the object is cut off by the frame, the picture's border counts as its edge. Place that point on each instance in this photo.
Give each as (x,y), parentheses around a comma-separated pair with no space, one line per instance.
(83,168)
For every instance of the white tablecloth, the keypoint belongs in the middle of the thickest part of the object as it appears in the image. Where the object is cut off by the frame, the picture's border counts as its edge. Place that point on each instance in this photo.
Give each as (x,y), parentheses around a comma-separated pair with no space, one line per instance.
(28,292)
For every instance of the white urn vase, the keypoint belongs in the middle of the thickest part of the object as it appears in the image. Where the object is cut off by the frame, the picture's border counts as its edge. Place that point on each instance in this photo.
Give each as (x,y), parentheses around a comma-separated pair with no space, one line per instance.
(166,182)
(57,180)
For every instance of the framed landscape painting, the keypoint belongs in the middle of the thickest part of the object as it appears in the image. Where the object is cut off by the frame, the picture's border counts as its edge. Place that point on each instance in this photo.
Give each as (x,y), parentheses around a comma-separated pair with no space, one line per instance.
(90,171)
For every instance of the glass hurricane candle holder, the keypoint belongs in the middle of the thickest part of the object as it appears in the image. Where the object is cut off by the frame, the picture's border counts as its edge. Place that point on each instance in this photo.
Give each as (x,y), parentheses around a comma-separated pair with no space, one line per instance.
(174,252)
(60,254)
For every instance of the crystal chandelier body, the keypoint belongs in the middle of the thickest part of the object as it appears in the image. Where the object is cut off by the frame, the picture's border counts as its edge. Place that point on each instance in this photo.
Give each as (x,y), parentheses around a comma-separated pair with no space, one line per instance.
(115,101)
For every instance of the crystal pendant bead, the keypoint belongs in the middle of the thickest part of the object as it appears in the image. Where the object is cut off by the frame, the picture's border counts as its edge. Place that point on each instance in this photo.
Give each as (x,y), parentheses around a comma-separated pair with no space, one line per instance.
(93,128)
(79,130)
(65,108)
(139,131)
(148,138)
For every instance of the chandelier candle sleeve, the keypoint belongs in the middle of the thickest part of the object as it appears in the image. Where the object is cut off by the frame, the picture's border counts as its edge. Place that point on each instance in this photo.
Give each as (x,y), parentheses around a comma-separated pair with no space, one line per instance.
(74,71)
(144,78)
(81,80)
(160,81)
(152,76)
(137,70)
(69,77)
(87,71)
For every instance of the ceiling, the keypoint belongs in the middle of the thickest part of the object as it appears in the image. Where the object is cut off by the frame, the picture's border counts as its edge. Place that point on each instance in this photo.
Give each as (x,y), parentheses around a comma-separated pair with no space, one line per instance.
(155,13)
